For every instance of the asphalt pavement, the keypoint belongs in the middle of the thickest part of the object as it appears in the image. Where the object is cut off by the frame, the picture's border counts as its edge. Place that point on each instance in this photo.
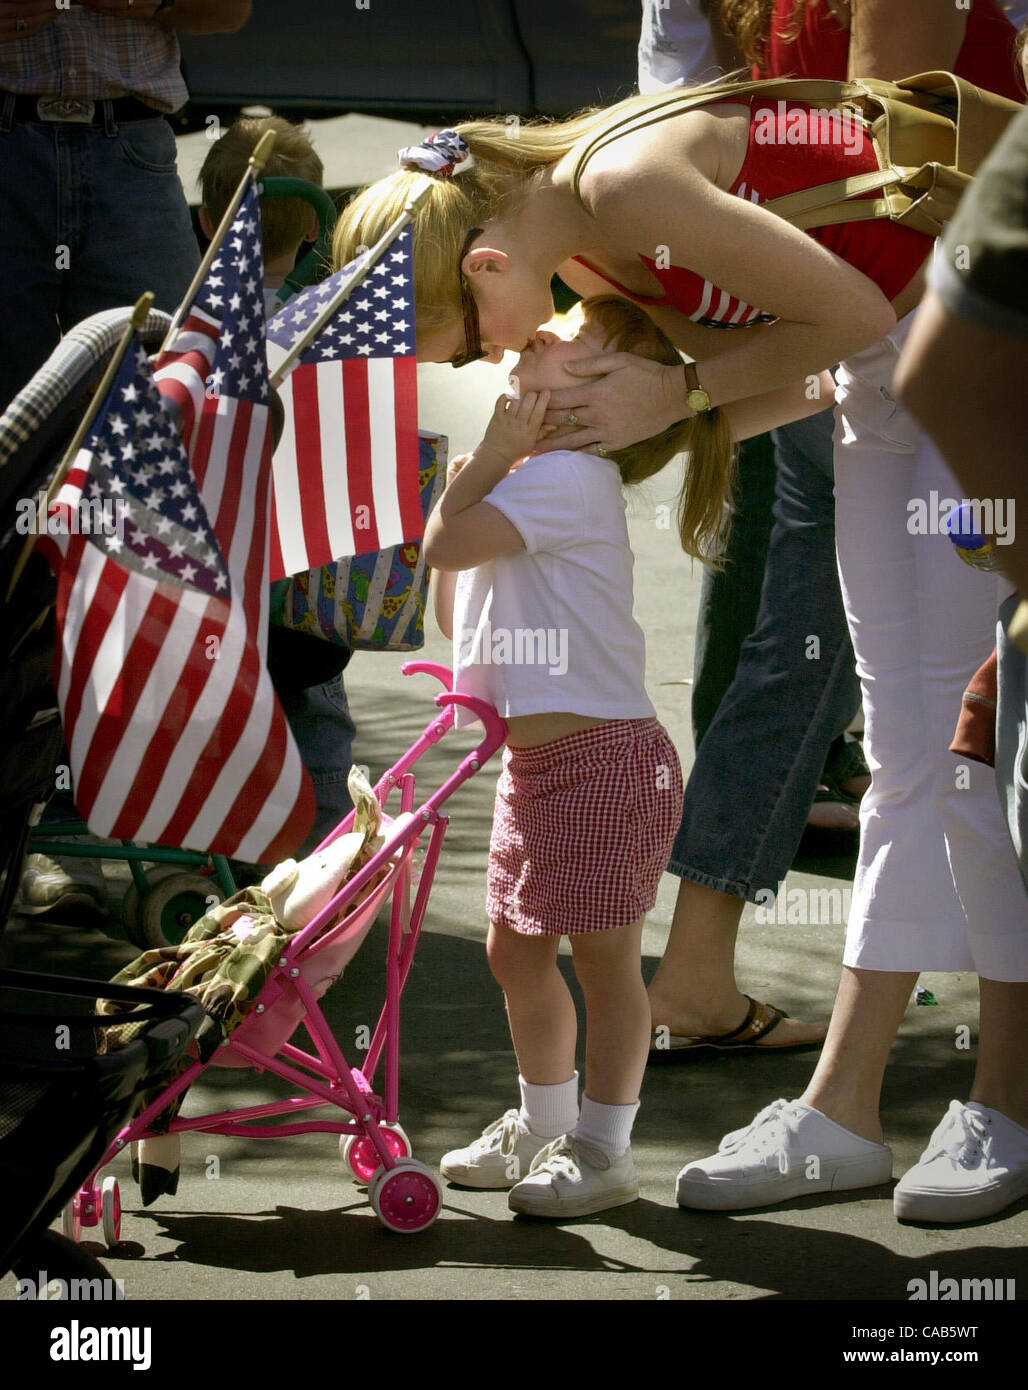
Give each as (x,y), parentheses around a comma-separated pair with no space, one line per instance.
(280,1219)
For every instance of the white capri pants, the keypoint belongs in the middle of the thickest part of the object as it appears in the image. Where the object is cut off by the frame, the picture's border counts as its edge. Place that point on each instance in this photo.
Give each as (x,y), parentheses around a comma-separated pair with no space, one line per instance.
(937,886)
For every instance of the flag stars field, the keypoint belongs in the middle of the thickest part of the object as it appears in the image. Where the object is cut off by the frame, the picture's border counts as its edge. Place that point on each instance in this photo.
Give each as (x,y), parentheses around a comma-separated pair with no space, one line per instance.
(153,509)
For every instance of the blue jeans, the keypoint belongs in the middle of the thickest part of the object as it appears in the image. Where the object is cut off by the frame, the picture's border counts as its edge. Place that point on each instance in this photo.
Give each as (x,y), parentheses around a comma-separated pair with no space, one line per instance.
(324,733)
(795,688)
(730,597)
(90,218)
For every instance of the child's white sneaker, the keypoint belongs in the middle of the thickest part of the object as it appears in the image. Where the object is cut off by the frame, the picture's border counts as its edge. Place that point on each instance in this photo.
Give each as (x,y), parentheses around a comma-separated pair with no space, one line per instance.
(572,1178)
(500,1157)
(976,1163)
(789,1150)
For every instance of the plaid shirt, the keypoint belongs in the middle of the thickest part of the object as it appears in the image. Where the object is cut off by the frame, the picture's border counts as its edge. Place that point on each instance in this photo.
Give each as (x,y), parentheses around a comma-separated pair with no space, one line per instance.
(95,57)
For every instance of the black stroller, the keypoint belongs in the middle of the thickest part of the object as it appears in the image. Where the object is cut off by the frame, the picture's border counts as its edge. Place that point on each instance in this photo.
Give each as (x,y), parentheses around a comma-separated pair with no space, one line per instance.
(62,1097)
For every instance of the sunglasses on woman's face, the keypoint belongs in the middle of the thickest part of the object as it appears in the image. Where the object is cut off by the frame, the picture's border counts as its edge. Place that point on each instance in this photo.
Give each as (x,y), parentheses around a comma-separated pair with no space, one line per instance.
(473,350)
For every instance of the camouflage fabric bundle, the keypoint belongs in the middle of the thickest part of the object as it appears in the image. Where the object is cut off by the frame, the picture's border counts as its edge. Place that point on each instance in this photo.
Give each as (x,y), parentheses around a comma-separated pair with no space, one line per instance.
(225,974)
(212,964)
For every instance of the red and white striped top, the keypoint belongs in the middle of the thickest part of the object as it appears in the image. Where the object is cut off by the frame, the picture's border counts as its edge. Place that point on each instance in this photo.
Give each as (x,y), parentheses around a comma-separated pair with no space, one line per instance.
(716,307)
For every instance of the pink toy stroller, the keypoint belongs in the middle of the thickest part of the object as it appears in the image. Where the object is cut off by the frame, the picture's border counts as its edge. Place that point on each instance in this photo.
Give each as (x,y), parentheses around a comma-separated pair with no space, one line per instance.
(405,1194)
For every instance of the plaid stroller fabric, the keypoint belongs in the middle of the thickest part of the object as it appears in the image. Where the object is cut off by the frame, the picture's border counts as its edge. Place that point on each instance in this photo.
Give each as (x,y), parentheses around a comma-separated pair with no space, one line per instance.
(65,371)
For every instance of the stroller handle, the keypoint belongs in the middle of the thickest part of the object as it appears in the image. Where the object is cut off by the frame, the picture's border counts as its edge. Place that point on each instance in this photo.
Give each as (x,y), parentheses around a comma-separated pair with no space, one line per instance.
(495,728)
(442,673)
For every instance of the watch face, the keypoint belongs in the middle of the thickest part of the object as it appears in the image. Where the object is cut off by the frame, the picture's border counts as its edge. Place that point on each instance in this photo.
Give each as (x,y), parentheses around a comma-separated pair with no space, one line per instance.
(698,400)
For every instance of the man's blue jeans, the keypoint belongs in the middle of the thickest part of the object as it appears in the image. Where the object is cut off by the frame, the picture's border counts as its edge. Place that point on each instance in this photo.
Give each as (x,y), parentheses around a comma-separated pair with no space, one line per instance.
(91,216)
(795,688)
(319,718)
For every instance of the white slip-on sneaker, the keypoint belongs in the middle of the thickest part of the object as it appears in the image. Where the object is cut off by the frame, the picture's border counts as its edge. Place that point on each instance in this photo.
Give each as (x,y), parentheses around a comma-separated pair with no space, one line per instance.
(500,1157)
(976,1163)
(573,1178)
(789,1150)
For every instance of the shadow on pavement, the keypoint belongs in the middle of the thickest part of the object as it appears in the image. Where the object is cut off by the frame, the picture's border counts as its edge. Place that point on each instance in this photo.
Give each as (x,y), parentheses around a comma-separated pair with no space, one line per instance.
(458,1073)
(786,1261)
(804,1262)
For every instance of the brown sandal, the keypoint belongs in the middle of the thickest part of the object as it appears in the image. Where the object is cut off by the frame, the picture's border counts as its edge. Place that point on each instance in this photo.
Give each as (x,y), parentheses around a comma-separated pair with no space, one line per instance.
(760,1020)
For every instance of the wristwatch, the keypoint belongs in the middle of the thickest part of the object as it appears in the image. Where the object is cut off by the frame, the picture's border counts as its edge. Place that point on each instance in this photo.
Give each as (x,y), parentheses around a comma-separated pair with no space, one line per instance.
(697,398)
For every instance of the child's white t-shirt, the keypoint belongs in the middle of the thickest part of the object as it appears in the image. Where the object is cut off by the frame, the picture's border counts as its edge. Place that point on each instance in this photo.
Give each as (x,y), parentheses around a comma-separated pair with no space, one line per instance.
(550,627)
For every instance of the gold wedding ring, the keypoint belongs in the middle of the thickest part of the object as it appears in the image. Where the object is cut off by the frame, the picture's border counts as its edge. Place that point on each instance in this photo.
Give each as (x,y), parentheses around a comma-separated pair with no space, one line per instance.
(573,419)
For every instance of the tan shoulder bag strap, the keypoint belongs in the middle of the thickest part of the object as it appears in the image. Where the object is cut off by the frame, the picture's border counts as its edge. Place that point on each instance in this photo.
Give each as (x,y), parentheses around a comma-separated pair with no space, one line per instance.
(793,206)
(815,91)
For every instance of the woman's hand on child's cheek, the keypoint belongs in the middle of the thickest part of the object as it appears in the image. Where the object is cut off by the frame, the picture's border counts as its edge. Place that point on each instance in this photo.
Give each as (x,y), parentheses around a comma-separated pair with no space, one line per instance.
(628,399)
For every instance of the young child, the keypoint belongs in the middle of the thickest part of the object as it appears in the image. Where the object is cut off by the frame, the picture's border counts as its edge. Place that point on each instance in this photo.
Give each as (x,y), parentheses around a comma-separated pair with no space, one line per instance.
(589,799)
(305,671)
(286,223)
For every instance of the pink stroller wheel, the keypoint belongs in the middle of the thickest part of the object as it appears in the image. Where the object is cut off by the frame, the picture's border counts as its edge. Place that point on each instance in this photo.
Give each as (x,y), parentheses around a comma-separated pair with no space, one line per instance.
(360,1154)
(407,1198)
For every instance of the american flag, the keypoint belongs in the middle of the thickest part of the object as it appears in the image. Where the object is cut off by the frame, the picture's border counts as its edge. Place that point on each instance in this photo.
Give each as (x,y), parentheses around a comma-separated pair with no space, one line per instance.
(175,733)
(346,467)
(154,665)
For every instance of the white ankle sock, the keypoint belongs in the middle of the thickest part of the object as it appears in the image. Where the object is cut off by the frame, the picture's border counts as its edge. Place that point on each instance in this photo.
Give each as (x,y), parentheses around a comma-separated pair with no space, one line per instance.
(609,1127)
(550,1111)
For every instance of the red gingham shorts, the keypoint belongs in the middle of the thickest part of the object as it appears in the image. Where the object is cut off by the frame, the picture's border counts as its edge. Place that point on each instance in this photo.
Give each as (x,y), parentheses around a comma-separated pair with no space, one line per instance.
(583,829)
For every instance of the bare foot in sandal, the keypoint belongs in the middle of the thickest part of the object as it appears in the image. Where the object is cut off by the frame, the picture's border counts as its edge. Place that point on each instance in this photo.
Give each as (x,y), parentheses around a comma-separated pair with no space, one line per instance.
(748,1026)
(829,813)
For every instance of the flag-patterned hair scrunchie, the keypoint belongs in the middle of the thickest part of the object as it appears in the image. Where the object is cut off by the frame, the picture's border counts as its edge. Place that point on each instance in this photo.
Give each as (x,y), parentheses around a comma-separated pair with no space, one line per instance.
(436,155)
